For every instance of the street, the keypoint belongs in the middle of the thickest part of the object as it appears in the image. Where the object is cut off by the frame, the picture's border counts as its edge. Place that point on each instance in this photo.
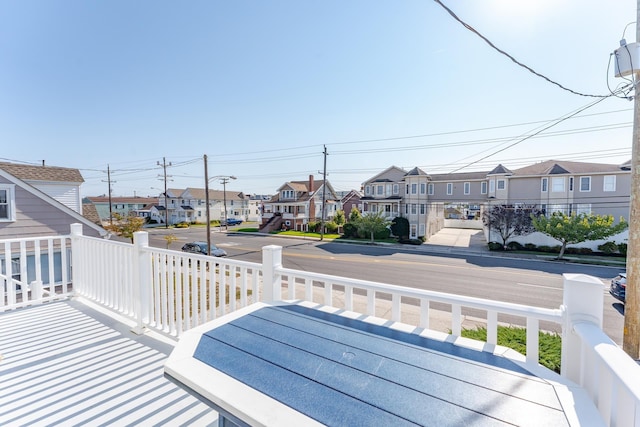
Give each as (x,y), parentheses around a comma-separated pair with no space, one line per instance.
(521,281)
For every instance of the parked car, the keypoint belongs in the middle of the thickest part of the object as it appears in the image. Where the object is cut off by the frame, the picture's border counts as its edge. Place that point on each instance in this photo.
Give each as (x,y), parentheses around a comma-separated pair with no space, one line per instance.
(201,248)
(231,221)
(618,287)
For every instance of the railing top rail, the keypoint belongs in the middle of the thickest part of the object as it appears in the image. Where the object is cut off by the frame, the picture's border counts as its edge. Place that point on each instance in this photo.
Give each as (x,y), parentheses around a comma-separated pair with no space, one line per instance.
(552,315)
(34,238)
(203,257)
(619,364)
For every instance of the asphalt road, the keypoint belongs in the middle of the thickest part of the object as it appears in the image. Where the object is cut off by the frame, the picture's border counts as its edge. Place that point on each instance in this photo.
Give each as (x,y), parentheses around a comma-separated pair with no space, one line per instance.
(522,281)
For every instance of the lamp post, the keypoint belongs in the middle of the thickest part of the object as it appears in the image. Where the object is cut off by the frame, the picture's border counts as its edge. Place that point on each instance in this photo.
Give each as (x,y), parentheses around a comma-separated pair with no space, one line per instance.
(224,179)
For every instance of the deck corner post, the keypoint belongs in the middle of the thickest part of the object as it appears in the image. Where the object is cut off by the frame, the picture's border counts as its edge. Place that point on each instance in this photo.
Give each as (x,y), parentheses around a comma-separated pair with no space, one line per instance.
(271,279)
(582,301)
(141,264)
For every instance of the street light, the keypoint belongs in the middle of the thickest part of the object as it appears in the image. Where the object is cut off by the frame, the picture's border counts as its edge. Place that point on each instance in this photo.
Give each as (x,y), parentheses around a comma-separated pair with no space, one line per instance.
(224,179)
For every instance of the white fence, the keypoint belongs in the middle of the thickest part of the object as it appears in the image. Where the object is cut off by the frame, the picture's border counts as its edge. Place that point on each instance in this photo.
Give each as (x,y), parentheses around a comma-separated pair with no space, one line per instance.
(171,292)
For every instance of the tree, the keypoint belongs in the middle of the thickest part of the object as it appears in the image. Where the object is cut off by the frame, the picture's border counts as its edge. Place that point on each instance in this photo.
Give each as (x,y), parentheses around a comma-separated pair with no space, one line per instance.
(339,217)
(170,238)
(125,227)
(400,228)
(510,221)
(372,223)
(354,215)
(571,229)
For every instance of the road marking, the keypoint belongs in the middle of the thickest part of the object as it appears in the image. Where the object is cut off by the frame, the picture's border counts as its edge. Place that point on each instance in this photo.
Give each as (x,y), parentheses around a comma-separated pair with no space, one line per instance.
(539,286)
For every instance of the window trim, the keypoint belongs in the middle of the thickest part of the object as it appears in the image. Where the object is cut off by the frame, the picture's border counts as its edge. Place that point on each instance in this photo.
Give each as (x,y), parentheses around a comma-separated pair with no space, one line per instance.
(467,188)
(11,202)
(588,178)
(484,187)
(431,189)
(544,185)
(604,183)
(449,188)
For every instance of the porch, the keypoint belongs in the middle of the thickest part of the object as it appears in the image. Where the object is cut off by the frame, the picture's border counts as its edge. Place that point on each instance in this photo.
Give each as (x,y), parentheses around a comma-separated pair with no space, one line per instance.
(66,360)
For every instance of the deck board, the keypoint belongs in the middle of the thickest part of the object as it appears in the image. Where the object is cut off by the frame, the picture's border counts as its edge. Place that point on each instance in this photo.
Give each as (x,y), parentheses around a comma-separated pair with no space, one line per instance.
(66,364)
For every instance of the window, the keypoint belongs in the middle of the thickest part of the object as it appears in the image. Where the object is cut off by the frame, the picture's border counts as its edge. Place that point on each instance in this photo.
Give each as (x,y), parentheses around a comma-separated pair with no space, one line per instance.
(492,186)
(609,183)
(422,208)
(449,188)
(367,190)
(396,189)
(389,188)
(431,189)
(421,230)
(413,231)
(414,209)
(467,188)
(585,183)
(414,188)
(379,190)
(583,208)
(571,183)
(501,184)
(423,188)
(557,184)
(7,203)
(483,187)
(543,184)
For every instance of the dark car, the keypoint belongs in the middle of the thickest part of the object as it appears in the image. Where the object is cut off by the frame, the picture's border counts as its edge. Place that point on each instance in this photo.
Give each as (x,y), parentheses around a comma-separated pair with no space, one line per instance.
(201,248)
(231,221)
(618,287)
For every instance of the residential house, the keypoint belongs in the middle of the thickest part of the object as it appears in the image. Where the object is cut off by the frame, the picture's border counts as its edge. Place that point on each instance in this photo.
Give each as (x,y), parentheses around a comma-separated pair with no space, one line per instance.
(350,200)
(41,201)
(190,205)
(123,206)
(397,192)
(297,203)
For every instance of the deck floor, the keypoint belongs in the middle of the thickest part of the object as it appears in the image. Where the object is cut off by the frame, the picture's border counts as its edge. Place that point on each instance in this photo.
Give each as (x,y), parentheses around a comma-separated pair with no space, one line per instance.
(67,364)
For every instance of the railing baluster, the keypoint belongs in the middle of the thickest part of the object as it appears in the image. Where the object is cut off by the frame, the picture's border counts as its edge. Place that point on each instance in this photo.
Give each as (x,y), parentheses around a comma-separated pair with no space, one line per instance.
(532,340)
(456,320)
(424,313)
(492,327)
(395,308)
(328,293)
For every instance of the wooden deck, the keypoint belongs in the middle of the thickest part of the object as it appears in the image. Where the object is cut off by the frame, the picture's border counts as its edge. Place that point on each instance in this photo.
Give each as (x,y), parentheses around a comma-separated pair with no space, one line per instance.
(65,363)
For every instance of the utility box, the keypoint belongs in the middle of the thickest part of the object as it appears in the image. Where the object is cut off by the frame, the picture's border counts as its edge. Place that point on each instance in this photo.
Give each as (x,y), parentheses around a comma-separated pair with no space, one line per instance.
(627,59)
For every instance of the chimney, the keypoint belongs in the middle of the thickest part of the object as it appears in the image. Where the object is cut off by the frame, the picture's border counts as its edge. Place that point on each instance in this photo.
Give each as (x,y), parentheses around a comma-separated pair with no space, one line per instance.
(310,184)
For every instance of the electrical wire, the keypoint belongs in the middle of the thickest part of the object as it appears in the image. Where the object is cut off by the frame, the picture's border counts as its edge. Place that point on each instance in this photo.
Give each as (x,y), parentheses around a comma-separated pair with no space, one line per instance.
(531,70)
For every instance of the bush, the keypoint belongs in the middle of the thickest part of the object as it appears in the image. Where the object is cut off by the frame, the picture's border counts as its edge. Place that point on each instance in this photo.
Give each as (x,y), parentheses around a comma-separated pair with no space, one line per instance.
(182,225)
(416,242)
(514,246)
(495,246)
(331,227)
(423,239)
(579,251)
(382,234)
(550,344)
(530,247)
(622,248)
(313,226)
(608,248)
(349,230)
(549,249)
(400,227)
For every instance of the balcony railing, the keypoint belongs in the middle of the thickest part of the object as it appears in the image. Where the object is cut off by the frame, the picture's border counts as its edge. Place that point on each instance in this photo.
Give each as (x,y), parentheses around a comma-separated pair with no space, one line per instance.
(171,292)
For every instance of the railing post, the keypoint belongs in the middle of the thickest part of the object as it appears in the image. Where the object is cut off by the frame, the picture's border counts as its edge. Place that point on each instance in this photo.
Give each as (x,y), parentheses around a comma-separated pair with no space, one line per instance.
(76,264)
(582,303)
(141,264)
(271,281)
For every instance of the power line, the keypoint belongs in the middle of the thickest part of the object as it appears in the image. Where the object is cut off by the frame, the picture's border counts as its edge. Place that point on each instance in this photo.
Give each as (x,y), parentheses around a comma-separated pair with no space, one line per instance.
(531,70)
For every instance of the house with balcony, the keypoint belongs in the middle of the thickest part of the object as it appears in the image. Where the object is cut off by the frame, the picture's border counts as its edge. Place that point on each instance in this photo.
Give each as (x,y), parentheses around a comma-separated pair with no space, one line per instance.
(137,335)
(190,205)
(296,203)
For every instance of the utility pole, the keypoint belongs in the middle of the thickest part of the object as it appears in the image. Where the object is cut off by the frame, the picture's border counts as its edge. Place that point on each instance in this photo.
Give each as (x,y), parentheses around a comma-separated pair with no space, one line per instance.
(166,205)
(109,186)
(324,192)
(631,334)
(206,198)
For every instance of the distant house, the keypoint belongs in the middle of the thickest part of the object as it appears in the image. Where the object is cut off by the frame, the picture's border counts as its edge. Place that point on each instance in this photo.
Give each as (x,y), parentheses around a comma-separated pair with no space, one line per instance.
(350,200)
(297,203)
(41,201)
(123,206)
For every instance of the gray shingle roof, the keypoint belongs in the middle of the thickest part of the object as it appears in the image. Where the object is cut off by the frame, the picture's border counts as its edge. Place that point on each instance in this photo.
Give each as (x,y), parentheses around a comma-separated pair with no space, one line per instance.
(42,173)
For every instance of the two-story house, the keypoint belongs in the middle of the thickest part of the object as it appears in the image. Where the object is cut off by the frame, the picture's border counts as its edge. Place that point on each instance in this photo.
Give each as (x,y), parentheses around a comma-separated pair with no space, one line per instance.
(296,203)
(190,205)
(123,206)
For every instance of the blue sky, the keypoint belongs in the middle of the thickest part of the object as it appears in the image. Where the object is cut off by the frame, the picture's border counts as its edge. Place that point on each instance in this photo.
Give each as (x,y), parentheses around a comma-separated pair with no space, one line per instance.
(261,87)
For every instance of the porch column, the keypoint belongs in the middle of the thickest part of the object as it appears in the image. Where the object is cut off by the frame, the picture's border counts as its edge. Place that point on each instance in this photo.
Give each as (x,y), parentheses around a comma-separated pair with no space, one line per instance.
(582,301)
(271,280)
(141,275)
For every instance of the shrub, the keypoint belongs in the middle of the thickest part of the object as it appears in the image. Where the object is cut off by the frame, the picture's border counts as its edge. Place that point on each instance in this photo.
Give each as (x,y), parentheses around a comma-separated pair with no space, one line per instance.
(622,248)
(530,247)
(550,344)
(349,230)
(514,246)
(313,226)
(549,249)
(331,227)
(423,239)
(382,234)
(579,251)
(182,225)
(608,248)
(495,246)
(400,227)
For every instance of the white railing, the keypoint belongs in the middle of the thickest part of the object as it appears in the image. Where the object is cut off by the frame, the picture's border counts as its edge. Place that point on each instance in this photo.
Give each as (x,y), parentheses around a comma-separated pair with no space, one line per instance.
(34,270)
(171,292)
